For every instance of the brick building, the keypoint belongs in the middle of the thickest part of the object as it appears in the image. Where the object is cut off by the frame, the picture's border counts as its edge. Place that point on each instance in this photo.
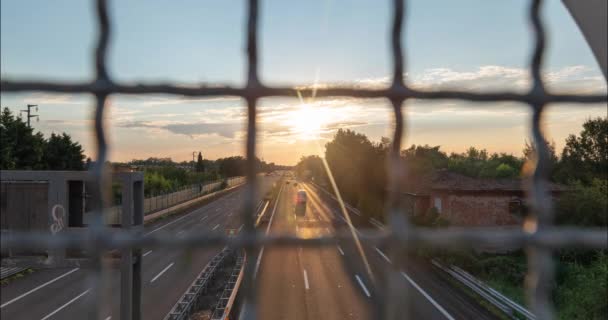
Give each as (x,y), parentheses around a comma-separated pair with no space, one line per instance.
(466,201)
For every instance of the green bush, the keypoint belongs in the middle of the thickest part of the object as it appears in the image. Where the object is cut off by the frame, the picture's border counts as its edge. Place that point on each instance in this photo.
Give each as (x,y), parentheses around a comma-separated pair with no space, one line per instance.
(583,292)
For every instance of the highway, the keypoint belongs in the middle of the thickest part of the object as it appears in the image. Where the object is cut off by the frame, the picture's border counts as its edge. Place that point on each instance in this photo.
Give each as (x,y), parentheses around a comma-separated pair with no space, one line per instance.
(334,282)
(293,283)
(60,293)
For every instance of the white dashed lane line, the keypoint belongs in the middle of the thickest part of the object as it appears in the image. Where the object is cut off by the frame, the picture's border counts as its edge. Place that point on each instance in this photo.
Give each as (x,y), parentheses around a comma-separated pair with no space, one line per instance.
(147,253)
(39,287)
(340,249)
(306,280)
(161,273)
(382,255)
(426,295)
(65,305)
(362,285)
(216,226)
(203,218)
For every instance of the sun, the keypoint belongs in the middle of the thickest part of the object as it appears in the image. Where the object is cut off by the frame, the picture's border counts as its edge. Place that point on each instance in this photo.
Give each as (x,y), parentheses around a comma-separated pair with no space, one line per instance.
(307,122)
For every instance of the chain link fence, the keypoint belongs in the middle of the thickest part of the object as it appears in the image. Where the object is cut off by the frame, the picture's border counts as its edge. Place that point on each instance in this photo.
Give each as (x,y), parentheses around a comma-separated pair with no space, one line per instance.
(538,235)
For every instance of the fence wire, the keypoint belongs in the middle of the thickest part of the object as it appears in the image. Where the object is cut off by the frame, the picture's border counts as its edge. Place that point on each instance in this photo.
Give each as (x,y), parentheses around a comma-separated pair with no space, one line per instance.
(540,240)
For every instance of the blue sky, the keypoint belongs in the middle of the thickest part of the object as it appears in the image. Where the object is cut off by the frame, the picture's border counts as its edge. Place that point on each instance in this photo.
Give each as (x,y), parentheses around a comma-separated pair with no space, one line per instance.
(465,44)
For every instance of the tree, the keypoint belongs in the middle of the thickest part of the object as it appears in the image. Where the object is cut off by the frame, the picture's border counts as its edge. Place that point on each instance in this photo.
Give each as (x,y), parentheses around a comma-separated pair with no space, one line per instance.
(21,148)
(61,153)
(359,169)
(311,168)
(200,166)
(585,157)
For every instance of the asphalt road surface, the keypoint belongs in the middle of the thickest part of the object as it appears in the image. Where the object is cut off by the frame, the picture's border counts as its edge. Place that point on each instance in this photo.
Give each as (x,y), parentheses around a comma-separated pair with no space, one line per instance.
(336,282)
(333,282)
(166,274)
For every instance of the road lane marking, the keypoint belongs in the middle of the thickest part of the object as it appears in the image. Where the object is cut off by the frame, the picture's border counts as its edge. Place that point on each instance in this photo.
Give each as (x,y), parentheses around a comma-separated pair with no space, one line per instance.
(274,209)
(383,255)
(306,280)
(170,223)
(340,249)
(257,264)
(362,285)
(147,253)
(426,295)
(108,318)
(38,287)
(203,218)
(241,227)
(216,226)
(180,233)
(65,305)
(163,271)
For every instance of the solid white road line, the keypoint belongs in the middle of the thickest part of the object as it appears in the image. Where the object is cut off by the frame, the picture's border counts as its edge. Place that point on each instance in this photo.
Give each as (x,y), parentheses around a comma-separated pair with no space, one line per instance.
(362,286)
(306,280)
(161,273)
(65,305)
(274,209)
(203,218)
(147,253)
(241,227)
(108,318)
(216,226)
(38,287)
(383,255)
(340,249)
(433,302)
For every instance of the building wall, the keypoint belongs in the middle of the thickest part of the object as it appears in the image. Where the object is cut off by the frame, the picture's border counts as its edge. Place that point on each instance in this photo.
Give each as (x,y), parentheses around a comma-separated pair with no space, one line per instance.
(477,209)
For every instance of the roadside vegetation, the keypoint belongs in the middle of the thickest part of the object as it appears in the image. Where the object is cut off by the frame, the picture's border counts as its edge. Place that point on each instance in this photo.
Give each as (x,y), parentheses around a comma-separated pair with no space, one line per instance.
(23,149)
(163,175)
(358,166)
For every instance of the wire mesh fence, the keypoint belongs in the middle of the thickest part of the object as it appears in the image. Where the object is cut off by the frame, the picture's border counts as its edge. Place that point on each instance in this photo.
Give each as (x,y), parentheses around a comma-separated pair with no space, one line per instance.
(539,236)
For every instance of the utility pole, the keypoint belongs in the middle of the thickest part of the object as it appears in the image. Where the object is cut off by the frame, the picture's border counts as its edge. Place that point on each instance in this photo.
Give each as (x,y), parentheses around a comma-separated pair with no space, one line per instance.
(29,113)
(193,161)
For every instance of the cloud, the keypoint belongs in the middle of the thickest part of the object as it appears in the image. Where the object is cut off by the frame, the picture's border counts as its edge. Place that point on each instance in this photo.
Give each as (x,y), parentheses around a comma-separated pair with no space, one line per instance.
(344,125)
(227,130)
(166,101)
(41,98)
(577,78)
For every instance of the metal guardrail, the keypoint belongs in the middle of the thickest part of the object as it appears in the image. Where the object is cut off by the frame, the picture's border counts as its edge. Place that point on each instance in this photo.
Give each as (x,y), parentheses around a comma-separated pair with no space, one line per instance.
(6,272)
(540,237)
(190,300)
(498,300)
(224,305)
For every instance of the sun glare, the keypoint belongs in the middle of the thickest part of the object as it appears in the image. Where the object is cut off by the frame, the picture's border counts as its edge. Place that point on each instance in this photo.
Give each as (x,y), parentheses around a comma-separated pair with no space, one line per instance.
(307,122)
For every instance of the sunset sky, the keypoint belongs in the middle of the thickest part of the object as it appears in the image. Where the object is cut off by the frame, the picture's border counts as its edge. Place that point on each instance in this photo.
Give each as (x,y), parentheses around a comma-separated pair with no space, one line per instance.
(473,45)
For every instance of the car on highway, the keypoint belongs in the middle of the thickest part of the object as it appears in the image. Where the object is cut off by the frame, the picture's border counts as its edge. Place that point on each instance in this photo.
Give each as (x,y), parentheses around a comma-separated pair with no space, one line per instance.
(301,199)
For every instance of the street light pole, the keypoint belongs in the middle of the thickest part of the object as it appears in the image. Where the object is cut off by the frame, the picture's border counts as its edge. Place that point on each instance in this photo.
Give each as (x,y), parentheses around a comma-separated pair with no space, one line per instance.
(29,113)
